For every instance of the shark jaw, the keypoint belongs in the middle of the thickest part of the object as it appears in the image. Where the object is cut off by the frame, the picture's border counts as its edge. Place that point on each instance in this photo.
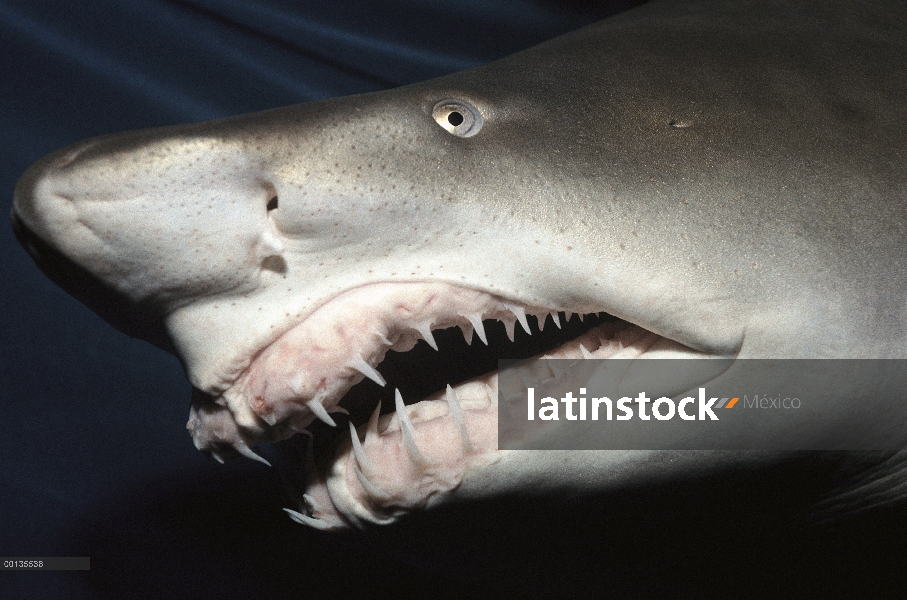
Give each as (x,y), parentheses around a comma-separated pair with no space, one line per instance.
(412,457)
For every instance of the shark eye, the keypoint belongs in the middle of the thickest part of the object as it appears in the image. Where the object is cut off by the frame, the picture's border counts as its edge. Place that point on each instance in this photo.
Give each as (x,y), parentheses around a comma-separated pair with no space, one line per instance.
(457,117)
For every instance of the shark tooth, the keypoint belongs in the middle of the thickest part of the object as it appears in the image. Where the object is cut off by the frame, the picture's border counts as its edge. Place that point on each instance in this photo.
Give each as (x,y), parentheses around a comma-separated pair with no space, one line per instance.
(408,432)
(370,488)
(557,370)
(492,395)
(270,418)
(310,521)
(358,363)
(478,326)
(359,452)
(318,410)
(509,327)
(424,330)
(310,503)
(585,352)
(457,412)
(557,319)
(520,313)
(467,330)
(241,447)
(371,430)
(382,337)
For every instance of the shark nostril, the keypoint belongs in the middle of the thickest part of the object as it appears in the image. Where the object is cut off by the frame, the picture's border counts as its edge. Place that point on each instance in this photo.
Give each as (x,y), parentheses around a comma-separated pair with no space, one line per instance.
(272,203)
(276,264)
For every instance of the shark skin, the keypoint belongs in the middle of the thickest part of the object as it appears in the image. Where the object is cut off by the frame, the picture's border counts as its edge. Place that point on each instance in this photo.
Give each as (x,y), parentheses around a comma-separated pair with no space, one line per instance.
(728,179)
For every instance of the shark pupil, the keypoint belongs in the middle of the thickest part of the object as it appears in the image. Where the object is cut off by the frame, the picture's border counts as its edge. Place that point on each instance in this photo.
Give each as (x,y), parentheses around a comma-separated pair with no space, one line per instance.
(455,118)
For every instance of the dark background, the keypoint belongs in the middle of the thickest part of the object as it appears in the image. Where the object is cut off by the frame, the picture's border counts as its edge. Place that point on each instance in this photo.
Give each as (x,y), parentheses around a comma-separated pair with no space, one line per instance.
(94,457)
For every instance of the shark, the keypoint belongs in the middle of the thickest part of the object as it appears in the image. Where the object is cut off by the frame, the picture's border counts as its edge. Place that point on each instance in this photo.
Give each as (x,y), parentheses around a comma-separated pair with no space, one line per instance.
(701,179)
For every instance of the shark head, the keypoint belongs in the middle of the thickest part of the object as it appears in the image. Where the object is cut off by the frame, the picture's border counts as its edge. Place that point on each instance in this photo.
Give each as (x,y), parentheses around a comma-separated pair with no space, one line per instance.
(631,168)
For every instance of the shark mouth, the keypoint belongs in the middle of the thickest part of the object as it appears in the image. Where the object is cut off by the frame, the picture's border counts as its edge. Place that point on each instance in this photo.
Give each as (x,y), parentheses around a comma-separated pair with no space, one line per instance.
(407,459)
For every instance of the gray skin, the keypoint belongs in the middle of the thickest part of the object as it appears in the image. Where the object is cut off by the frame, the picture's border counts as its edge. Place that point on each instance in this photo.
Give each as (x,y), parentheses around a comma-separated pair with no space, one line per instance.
(731,176)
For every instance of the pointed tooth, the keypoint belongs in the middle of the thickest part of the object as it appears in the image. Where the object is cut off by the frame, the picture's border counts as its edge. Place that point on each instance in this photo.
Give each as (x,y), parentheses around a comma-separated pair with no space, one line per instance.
(467,330)
(425,331)
(509,327)
(580,315)
(359,452)
(620,345)
(371,430)
(243,449)
(558,371)
(318,410)
(310,521)
(568,315)
(457,411)
(520,313)
(217,457)
(490,392)
(478,326)
(556,318)
(382,337)
(358,363)
(370,488)
(585,352)
(541,320)
(407,431)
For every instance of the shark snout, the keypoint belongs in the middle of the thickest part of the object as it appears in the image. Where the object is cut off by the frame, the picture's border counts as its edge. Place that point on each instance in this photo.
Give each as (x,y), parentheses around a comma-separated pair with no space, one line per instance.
(163,216)
(48,212)
(39,212)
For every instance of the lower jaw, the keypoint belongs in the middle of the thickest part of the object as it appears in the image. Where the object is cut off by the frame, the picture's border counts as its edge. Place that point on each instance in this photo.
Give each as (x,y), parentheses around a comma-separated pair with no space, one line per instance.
(418,455)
